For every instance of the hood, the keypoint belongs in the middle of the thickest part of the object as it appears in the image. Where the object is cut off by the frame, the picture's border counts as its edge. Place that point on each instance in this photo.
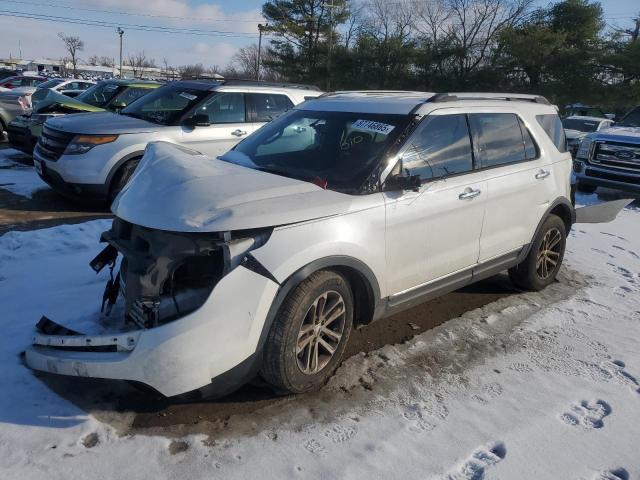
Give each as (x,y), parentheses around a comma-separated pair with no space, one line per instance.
(101,123)
(54,99)
(180,190)
(617,134)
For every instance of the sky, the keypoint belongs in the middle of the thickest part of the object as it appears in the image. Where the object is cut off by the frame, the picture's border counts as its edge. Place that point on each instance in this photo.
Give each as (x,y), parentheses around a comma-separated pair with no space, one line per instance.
(38,39)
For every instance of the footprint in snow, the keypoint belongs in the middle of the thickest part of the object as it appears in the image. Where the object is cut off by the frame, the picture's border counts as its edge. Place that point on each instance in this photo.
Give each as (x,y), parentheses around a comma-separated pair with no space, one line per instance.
(474,468)
(617,474)
(589,415)
(616,368)
(340,433)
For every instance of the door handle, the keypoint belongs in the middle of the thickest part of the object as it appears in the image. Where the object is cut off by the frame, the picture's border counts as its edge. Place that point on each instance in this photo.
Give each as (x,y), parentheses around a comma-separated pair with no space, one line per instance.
(469,193)
(542,174)
(238,133)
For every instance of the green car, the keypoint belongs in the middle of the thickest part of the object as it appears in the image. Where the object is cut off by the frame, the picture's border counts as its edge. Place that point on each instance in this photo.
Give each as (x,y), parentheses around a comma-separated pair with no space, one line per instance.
(112,95)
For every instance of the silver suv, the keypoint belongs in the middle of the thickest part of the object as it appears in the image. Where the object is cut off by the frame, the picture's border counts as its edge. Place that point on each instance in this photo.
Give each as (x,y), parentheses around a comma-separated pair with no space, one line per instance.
(94,154)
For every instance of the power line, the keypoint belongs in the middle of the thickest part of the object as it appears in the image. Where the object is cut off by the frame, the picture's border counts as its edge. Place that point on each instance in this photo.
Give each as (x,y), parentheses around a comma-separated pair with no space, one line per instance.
(122,12)
(139,27)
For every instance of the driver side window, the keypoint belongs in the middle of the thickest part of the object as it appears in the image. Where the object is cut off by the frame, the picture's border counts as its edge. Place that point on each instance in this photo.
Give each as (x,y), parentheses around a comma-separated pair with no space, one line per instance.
(440,147)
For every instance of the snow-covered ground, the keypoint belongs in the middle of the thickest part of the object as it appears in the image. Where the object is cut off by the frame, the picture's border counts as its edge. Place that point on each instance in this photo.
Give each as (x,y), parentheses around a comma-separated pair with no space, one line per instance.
(533,386)
(17,177)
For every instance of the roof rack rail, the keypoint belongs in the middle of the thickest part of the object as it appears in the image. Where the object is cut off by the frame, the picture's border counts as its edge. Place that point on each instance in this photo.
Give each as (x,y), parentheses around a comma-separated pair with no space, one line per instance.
(261,83)
(518,97)
(373,93)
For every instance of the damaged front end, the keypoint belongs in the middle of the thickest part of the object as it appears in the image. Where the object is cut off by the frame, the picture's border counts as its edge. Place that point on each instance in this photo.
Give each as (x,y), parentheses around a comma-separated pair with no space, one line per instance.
(166,275)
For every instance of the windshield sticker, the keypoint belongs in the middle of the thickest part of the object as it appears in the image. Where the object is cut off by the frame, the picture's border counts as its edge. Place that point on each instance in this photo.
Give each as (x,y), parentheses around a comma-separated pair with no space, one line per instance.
(371,126)
(188,96)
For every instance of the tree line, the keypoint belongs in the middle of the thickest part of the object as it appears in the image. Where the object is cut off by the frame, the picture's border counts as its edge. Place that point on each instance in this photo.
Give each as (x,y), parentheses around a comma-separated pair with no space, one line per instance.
(565,51)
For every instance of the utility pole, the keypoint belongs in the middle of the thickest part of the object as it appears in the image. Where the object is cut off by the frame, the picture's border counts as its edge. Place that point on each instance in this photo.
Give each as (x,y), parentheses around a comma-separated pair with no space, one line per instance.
(120,32)
(261,28)
(330,6)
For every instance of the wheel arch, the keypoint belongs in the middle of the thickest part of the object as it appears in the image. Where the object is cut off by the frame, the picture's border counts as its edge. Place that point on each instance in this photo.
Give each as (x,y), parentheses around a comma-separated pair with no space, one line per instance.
(560,207)
(120,163)
(361,279)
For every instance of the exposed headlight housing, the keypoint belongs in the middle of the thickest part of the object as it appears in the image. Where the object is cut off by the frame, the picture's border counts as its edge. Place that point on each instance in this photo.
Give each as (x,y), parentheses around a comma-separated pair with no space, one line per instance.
(585,148)
(83,143)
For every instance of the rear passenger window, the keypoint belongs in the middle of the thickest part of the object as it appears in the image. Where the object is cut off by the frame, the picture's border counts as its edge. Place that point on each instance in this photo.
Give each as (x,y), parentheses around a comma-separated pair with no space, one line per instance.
(224,107)
(498,138)
(440,147)
(267,106)
(552,125)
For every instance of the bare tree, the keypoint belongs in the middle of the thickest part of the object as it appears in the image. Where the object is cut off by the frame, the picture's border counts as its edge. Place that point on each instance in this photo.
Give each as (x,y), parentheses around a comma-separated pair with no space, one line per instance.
(170,71)
(73,44)
(138,62)
(191,71)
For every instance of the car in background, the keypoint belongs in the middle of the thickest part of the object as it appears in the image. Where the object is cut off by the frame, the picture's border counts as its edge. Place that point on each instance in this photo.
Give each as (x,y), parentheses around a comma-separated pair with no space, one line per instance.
(611,157)
(21,81)
(6,73)
(93,155)
(71,87)
(576,127)
(112,95)
(12,104)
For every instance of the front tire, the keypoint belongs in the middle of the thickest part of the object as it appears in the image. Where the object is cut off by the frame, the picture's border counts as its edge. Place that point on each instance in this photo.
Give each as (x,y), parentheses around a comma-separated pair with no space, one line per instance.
(540,267)
(309,335)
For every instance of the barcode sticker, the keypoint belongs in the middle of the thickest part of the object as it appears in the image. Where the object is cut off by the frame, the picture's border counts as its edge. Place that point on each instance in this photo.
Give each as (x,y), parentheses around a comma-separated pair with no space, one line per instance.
(372,126)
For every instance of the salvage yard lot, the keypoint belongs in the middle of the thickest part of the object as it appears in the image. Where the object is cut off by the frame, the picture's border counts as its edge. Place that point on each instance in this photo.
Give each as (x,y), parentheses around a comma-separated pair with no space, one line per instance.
(513,385)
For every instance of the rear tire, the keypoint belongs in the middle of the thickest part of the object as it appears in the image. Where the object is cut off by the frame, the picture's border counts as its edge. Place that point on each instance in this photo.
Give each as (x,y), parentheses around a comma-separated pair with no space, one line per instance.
(121,178)
(540,267)
(586,188)
(309,335)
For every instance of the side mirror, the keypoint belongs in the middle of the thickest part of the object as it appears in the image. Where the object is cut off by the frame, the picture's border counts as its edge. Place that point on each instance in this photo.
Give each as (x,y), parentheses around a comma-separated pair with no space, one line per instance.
(118,105)
(198,120)
(401,182)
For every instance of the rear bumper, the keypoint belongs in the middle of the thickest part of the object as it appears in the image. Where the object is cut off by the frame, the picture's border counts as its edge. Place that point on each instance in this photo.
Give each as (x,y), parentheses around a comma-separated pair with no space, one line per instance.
(175,358)
(607,177)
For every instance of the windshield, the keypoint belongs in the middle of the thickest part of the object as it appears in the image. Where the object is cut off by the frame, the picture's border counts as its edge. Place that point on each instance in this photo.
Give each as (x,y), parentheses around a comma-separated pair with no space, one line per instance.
(51,83)
(335,150)
(632,119)
(580,125)
(100,94)
(165,105)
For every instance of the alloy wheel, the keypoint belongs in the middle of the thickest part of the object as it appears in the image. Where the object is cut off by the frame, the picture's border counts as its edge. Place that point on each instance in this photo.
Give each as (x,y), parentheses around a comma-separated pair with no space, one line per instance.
(549,253)
(320,332)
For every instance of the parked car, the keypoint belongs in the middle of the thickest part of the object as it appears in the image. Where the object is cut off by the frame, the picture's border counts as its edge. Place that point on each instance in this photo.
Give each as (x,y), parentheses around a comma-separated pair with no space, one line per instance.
(20,81)
(93,155)
(112,95)
(346,209)
(582,110)
(577,127)
(610,158)
(13,103)
(6,73)
(71,87)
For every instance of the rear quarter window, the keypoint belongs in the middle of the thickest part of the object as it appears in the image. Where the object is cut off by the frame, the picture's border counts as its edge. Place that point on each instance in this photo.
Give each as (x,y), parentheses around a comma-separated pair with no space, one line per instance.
(552,125)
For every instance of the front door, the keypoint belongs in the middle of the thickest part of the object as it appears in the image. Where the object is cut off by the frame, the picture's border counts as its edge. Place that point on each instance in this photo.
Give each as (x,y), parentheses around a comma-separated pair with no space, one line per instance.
(229,124)
(435,232)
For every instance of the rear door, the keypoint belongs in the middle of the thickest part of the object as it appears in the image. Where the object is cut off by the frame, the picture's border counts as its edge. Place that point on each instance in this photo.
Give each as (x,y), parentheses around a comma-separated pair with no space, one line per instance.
(229,123)
(520,181)
(435,232)
(265,106)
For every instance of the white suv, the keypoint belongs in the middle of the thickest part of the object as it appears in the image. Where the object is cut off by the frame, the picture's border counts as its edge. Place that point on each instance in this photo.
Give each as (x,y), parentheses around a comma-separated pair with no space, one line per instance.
(92,155)
(346,209)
